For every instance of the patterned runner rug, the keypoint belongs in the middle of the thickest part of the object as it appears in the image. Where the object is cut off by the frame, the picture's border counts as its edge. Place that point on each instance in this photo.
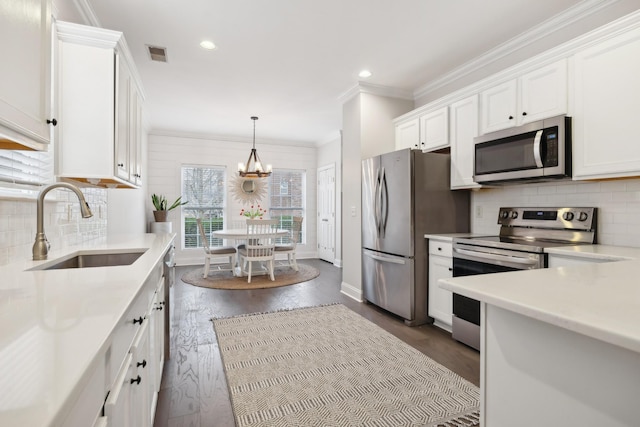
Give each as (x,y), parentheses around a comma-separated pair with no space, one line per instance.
(329,366)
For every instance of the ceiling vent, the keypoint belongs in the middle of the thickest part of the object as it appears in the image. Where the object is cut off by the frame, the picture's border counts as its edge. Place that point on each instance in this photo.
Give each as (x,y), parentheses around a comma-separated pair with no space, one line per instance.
(157,53)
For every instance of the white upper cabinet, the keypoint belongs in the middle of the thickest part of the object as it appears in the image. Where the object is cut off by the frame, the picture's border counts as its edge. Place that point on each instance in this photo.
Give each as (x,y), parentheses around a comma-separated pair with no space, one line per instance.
(498,107)
(25,76)
(464,127)
(408,134)
(543,93)
(534,96)
(100,108)
(606,134)
(434,130)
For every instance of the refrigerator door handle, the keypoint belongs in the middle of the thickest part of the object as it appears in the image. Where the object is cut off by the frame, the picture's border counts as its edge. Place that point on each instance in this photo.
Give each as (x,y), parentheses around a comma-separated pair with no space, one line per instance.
(385,259)
(384,203)
(376,202)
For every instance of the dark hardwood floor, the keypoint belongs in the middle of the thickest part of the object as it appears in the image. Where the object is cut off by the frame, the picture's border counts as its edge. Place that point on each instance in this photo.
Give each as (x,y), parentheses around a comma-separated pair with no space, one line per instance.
(194,391)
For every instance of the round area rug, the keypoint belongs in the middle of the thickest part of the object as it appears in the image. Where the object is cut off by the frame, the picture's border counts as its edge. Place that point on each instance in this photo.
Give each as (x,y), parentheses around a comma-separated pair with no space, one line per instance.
(225,280)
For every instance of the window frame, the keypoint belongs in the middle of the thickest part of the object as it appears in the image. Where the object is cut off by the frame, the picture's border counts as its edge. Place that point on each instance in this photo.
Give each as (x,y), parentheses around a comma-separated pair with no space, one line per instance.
(302,209)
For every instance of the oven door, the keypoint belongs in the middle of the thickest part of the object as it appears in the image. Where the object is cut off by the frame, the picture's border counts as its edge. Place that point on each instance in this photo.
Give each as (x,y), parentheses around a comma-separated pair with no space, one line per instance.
(469,260)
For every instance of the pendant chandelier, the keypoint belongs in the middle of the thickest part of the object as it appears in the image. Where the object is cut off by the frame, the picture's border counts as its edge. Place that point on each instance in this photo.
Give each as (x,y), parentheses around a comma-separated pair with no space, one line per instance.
(253,168)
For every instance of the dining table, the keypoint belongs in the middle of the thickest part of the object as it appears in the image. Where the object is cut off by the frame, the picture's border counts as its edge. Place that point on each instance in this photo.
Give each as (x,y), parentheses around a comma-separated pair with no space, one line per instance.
(241,234)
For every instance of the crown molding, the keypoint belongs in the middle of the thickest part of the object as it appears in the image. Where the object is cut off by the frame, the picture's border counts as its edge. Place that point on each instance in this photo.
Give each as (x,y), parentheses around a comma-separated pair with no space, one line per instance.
(556,23)
(87,13)
(228,138)
(362,87)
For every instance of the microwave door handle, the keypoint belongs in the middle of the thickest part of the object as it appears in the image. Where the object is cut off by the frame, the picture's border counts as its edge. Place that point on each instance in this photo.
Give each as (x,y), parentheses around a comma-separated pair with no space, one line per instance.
(537,149)
(494,257)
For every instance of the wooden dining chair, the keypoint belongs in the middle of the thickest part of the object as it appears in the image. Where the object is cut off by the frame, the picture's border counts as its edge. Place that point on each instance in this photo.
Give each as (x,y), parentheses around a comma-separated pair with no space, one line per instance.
(258,246)
(289,246)
(215,252)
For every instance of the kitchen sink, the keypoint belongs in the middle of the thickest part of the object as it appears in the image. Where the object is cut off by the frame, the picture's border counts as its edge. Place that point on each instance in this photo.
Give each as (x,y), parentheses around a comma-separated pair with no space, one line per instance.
(93,259)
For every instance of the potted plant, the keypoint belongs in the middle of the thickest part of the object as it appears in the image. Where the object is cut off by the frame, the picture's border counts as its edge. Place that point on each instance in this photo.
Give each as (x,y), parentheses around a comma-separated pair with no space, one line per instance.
(162,206)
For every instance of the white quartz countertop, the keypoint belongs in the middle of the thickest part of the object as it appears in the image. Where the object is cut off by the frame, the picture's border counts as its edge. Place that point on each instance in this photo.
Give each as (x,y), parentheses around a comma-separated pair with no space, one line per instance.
(599,300)
(54,323)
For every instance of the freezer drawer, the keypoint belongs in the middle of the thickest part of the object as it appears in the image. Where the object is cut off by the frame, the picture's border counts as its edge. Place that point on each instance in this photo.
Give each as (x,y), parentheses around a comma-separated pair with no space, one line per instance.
(388,282)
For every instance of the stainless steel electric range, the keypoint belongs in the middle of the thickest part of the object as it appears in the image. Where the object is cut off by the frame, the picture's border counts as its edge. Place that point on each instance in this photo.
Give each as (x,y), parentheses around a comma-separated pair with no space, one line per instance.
(525,234)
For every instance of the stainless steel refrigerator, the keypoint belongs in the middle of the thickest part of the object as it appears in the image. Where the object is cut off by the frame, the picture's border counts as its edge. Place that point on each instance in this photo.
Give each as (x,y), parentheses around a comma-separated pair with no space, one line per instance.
(405,195)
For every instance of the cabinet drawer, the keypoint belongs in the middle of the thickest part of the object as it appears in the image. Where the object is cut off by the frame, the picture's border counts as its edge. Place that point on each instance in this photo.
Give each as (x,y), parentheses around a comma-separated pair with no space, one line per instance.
(438,247)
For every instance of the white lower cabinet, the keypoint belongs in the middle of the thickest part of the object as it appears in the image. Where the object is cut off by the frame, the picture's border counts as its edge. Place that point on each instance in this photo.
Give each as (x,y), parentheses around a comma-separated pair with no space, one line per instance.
(123,391)
(440,267)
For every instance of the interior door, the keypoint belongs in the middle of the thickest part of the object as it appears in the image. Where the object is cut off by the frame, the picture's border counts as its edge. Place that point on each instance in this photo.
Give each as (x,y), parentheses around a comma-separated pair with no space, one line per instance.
(326,212)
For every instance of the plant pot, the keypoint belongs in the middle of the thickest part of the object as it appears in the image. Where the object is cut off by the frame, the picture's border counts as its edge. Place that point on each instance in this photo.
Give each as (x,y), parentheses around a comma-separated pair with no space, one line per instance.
(161,216)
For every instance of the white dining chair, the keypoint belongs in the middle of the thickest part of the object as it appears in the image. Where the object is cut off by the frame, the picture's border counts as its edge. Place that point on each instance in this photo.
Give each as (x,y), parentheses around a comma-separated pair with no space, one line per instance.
(258,246)
(291,241)
(212,252)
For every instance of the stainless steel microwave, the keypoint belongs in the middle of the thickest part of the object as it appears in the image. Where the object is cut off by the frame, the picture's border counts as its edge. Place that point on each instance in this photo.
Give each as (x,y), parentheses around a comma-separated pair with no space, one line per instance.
(536,151)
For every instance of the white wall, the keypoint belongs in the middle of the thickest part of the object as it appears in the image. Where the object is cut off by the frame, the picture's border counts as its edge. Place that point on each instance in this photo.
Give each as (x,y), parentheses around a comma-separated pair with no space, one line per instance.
(330,153)
(167,154)
(618,203)
(368,130)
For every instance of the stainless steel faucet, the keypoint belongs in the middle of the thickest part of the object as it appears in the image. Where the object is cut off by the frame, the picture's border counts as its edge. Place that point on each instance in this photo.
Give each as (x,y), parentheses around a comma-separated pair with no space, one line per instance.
(41,245)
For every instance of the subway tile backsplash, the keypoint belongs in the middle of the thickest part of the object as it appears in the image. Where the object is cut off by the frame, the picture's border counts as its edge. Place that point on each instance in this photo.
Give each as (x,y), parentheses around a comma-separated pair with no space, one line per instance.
(618,203)
(63,224)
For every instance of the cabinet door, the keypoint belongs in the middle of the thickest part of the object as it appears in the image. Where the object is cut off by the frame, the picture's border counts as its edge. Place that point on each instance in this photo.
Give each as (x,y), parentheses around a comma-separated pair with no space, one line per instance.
(135,138)
(408,134)
(117,407)
(440,300)
(434,130)
(498,107)
(464,127)
(157,334)
(607,107)
(25,77)
(123,114)
(142,381)
(543,93)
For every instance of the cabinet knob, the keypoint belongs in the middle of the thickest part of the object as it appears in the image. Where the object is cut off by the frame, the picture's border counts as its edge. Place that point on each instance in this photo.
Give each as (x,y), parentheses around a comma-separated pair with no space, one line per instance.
(159,308)
(439,248)
(120,165)
(138,320)
(143,364)
(52,122)
(135,380)
(524,113)
(450,269)
(510,117)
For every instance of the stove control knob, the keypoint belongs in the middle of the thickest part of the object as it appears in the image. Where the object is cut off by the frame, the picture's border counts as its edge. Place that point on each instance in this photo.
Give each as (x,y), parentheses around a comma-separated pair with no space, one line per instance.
(514,214)
(583,216)
(567,216)
(504,214)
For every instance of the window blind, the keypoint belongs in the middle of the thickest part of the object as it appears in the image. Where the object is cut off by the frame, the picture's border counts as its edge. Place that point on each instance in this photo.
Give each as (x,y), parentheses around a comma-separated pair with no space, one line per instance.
(25,168)
(204,188)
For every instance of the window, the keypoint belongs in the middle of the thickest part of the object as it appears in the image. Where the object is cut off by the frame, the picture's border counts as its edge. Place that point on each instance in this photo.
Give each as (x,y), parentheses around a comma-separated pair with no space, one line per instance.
(22,172)
(287,197)
(204,188)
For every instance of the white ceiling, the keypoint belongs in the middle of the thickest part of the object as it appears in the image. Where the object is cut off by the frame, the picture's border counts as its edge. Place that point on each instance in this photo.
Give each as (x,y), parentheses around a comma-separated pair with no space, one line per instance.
(289,61)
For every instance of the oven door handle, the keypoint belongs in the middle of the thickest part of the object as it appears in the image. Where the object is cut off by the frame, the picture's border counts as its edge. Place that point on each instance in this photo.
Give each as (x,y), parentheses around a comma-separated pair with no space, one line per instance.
(537,153)
(496,257)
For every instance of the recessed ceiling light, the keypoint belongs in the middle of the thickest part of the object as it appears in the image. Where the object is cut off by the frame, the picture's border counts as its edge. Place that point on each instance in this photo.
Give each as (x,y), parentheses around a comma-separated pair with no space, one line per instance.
(206,44)
(364,74)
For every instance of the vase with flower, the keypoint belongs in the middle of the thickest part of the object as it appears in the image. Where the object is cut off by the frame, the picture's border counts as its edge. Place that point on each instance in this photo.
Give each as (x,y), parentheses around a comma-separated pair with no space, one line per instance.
(253,212)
